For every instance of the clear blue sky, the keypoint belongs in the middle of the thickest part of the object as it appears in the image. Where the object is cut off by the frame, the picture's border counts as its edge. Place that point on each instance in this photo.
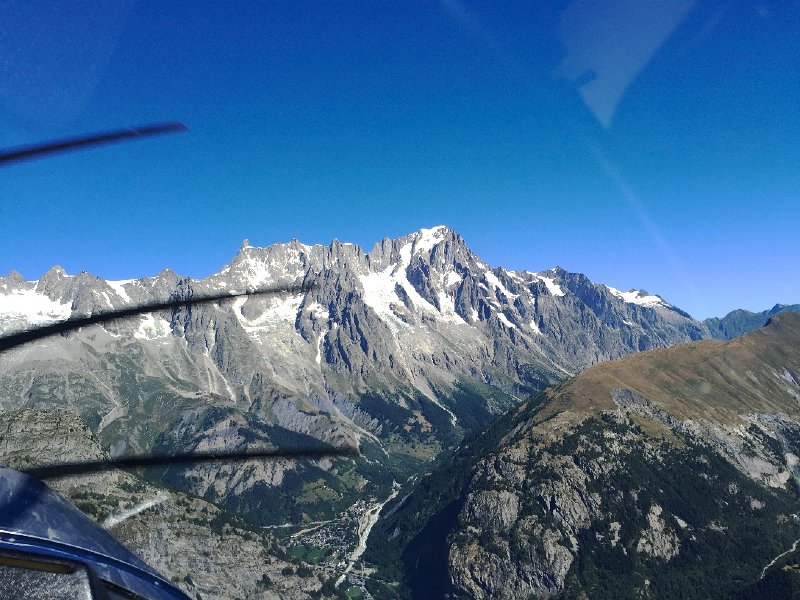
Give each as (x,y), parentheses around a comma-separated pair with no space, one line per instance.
(649,145)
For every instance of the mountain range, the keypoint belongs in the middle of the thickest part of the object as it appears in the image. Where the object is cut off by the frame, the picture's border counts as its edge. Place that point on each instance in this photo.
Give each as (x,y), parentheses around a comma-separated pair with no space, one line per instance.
(403,350)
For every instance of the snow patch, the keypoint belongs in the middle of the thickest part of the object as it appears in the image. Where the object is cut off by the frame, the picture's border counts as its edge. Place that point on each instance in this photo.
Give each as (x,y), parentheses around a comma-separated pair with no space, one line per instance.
(451,279)
(318,311)
(320,339)
(504,319)
(637,297)
(278,311)
(492,279)
(119,287)
(448,309)
(32,307)
(260,270)
(107,299)
(282,309)
(255,271)
(379,290)
(152,328)
(549,283)
(379,294)
(427,238)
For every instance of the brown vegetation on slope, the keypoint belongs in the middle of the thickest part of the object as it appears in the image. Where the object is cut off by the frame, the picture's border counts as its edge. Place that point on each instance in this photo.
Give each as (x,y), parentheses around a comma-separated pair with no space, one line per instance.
(758,372)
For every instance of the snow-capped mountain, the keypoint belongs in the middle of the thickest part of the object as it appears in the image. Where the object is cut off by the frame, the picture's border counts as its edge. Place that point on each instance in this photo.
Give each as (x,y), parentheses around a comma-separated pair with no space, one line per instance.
(402,349)
(400,306)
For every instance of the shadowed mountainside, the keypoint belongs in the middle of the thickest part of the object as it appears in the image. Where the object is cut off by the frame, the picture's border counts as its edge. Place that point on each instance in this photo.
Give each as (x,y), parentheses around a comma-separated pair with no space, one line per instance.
(667,473)
(740,321)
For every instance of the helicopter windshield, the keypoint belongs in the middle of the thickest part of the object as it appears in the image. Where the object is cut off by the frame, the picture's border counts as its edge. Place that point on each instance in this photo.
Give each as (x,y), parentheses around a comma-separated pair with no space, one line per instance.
(191,357)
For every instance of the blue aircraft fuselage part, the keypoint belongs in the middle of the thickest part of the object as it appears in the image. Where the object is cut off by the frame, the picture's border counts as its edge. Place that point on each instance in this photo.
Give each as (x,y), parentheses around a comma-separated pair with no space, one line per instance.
(36,520)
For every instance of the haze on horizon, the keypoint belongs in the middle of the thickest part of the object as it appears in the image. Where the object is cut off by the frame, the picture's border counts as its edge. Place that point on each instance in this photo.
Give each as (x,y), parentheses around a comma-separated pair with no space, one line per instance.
(662,157)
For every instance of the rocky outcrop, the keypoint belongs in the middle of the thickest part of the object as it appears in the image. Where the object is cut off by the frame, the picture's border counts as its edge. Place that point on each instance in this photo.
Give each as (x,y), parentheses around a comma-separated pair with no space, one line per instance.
(657,539)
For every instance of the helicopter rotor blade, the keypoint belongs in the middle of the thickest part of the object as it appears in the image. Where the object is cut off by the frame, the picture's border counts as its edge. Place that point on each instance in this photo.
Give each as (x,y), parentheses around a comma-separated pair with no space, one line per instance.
(38,150)
(23,337)
(83,468)
(29,335)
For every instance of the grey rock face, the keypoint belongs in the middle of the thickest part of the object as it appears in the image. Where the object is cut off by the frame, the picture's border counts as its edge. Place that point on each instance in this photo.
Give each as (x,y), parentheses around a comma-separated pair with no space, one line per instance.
(749,444)
(27,437)
(519,536)
(501,549)
(481,573)
(658,540)
(493,509)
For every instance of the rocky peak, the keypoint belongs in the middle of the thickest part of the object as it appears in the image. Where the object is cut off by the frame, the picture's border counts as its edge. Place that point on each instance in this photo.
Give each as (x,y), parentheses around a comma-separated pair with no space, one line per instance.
(787,323)
(409,247)
(54,282)
(421,307)
(14,280)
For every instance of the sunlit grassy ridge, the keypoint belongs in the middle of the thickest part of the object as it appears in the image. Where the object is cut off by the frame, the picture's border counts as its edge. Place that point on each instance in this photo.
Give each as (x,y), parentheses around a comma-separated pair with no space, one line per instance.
(706,379)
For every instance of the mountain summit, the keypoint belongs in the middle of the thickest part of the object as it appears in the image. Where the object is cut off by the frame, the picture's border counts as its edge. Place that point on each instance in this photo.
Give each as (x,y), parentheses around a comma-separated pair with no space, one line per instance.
(425,289)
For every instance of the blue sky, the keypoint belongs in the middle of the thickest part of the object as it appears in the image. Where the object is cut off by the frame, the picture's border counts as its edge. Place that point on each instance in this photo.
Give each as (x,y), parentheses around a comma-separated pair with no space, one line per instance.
(649,145)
